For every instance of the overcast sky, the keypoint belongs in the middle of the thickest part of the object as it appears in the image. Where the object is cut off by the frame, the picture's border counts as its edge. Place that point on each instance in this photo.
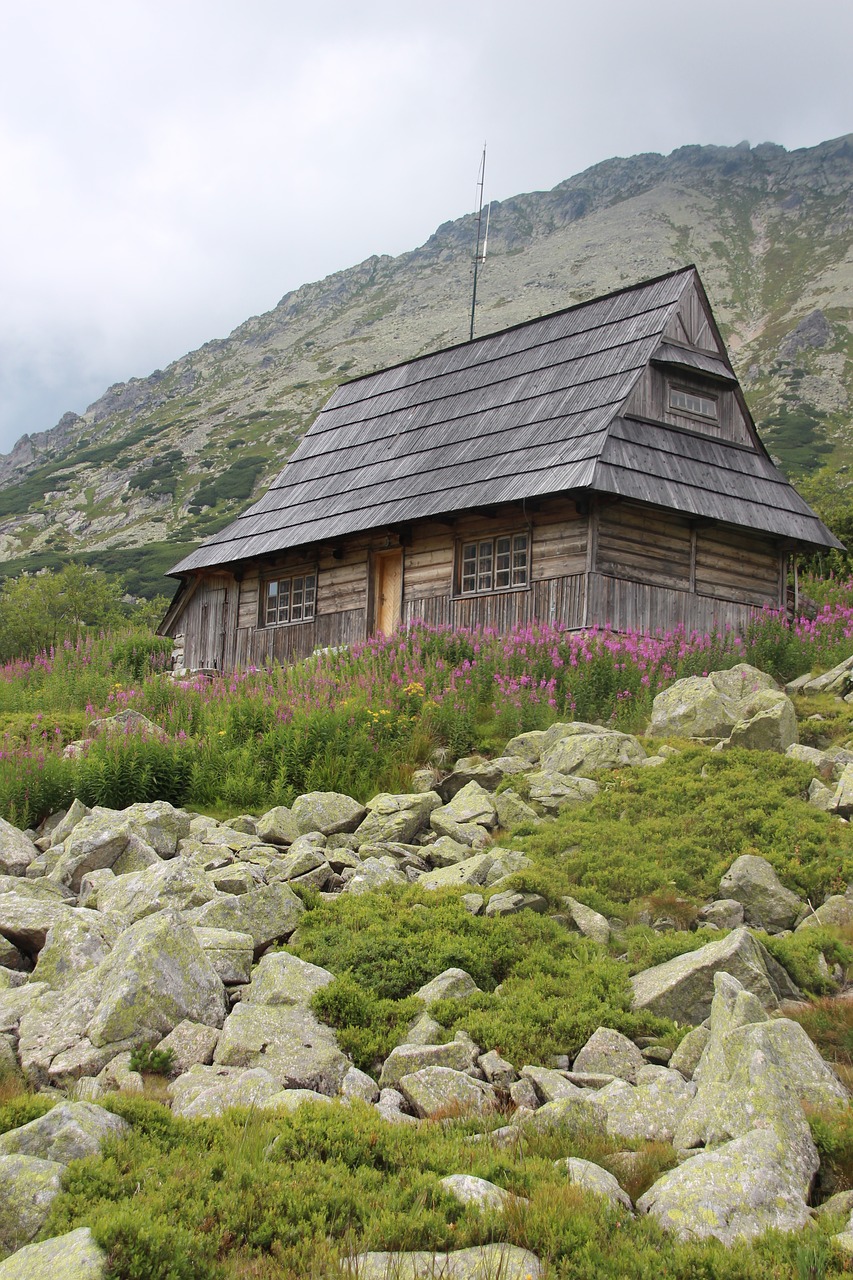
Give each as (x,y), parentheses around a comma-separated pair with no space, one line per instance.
(170,167)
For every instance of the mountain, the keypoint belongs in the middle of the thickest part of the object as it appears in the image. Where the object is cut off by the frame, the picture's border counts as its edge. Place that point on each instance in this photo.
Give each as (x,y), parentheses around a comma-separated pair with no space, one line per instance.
(158,463)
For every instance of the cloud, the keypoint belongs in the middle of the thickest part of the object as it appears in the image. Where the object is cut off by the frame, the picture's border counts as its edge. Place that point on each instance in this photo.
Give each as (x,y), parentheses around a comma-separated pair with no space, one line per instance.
(170,169)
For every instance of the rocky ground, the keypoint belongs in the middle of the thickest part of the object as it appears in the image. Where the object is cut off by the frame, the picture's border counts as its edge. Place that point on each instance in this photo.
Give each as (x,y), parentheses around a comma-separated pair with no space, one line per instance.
(154,927)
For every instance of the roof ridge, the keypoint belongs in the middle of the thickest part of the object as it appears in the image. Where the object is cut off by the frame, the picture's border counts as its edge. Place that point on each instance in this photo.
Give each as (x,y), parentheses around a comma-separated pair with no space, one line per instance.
(523,324)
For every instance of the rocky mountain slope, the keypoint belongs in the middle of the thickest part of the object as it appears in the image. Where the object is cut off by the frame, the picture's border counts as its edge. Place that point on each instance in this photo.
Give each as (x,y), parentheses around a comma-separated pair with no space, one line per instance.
(158,463)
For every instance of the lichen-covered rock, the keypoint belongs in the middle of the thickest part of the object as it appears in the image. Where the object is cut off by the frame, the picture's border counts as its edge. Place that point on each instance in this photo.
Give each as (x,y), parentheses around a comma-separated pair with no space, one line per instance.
(423,1030)
(76,943)
(591,1177)
(282,978)
(510,903)
(485,1262)
(17,850)
(769,723)
(327,811)
(707,707)
(230,953)
(446,851)
(159,824)
(450,984)
(373,874)
(286,1040)
(767,904)
(467,1189)
(66,825)
(496,1069)
(270,913)
(836,912)
(156,976)
(755,1097)
(407,1058)
(358,1084)
(396,817)
(733,1193)
(471,804)
(512,811)
(725,913)
(94,844)
(683,988)
(472,871)
(434,1091)
(278,826)
(784,1044)
(137,855)
(191,1044)
(488,774)
(212,1090)
(176,884)
(551,791)
(74,1256)
(581,754)
(651,1111)
(588,922)
(550,1085)
(28,1187)
(71,1131)
(608,1052)
(578,1114)
(26,921)
(686,1057)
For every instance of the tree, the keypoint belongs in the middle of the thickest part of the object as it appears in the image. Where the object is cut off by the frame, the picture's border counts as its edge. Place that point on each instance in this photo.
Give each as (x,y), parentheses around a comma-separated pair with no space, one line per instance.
(38,610)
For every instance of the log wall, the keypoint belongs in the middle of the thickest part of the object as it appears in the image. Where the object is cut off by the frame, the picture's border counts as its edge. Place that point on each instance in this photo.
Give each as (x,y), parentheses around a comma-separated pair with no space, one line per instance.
(625,565)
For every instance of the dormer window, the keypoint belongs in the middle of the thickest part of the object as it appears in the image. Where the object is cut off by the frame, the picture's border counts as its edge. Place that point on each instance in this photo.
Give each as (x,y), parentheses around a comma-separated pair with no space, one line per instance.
(690,402)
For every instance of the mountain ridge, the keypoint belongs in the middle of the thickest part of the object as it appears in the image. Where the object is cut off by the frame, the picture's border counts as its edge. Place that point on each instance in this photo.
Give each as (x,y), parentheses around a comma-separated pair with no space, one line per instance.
(164,460)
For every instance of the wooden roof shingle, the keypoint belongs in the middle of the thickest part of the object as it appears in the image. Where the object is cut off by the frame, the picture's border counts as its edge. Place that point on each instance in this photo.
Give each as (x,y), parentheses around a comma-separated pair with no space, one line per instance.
(530,411)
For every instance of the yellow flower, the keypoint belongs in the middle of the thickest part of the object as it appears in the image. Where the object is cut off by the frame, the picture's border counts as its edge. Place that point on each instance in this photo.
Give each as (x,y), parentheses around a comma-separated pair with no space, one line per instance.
(222,732)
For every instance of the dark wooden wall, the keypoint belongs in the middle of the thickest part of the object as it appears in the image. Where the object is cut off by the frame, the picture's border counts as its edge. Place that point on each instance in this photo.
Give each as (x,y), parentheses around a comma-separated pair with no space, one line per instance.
(621,564)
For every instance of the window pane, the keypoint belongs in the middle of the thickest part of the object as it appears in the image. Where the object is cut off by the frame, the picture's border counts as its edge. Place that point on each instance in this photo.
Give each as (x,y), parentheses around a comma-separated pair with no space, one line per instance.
(284,600)
(484,566)
(469,567)
(272,603)
(502,562)
(691,402)
(519,560)
(296,600)
(310,595)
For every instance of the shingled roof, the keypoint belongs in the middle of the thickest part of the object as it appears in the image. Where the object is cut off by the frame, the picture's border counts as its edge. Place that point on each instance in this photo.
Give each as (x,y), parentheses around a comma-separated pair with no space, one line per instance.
(530,411)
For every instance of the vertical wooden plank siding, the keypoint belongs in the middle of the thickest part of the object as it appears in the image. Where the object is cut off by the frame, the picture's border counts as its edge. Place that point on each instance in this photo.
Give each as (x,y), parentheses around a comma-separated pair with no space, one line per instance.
(650,399)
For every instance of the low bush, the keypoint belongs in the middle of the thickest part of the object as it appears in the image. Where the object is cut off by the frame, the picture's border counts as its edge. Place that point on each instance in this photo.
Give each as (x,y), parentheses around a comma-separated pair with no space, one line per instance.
(384,946)
(294,1196)
(678,828)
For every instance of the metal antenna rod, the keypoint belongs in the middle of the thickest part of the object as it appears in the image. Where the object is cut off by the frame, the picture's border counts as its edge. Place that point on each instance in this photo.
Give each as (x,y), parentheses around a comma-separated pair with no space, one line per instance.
(480,183)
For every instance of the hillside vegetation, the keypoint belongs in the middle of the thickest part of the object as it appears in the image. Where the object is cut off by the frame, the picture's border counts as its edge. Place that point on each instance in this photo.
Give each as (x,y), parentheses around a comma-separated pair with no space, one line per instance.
(260,1194)
(160,462)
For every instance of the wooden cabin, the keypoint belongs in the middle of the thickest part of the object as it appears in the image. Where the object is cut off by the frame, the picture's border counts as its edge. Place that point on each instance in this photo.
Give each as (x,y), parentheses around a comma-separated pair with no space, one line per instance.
(594,466)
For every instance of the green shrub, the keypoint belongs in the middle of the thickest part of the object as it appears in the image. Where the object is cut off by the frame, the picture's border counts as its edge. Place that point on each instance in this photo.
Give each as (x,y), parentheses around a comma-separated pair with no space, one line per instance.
(800,953)
(148,1059)
(678,828)
(384,946)
(23,1109)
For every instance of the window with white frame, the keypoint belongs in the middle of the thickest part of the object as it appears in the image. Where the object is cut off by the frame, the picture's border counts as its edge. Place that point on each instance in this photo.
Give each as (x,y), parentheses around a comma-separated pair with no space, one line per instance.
(494,564)
(691,402)
(290,599)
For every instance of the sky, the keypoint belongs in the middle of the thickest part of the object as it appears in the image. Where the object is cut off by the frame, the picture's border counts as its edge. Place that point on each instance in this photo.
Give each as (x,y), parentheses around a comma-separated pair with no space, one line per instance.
(169,168)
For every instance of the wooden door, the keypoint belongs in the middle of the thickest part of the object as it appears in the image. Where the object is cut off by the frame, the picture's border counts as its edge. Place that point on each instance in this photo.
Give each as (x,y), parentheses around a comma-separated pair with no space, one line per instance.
(388,590)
